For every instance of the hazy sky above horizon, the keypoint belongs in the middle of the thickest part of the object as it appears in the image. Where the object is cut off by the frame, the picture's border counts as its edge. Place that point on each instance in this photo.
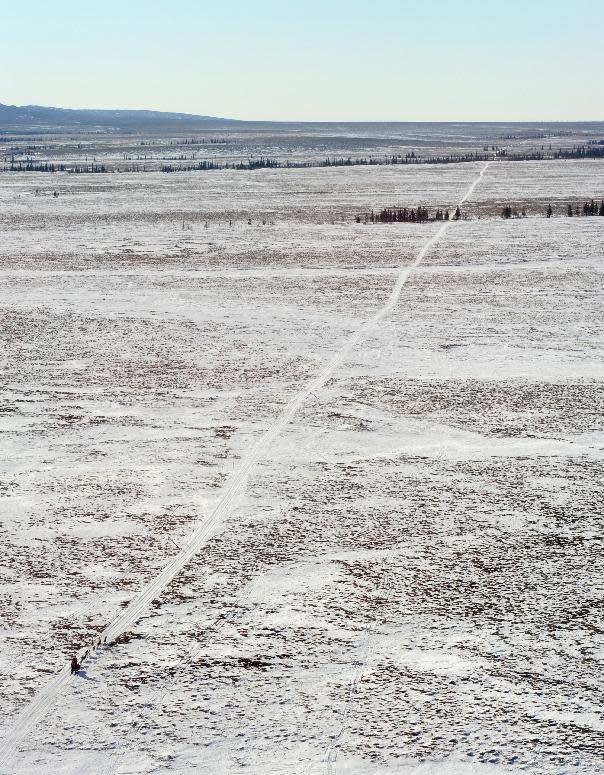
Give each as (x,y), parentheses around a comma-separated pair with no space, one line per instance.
(388,60)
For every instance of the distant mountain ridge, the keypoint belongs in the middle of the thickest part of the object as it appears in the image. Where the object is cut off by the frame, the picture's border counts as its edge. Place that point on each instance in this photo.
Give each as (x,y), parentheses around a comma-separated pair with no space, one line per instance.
(40,115)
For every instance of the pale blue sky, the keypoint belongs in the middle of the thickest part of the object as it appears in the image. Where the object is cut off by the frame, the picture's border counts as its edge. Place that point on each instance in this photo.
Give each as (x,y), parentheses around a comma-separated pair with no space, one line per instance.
(310,60)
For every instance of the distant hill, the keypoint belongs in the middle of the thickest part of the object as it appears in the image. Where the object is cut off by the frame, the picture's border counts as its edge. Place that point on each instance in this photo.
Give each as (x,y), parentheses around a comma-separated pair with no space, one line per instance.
(41,116)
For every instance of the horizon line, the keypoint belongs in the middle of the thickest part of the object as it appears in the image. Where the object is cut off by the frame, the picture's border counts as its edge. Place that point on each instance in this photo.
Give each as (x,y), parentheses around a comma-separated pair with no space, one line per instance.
(208,117)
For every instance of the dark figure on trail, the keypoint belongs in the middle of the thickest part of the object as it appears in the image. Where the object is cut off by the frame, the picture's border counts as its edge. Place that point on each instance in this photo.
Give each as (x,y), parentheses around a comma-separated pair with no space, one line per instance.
(74,665)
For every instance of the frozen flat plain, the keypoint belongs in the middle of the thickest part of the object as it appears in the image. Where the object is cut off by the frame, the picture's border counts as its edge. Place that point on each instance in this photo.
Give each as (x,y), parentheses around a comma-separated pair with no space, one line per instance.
(411,580)
(151,146)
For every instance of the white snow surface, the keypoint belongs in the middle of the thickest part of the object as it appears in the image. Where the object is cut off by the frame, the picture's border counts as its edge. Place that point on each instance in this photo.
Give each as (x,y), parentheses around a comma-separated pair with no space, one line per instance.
(405,575)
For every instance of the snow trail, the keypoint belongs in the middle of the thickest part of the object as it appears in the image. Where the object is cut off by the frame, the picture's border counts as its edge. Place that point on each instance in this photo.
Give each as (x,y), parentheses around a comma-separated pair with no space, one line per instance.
(46,697)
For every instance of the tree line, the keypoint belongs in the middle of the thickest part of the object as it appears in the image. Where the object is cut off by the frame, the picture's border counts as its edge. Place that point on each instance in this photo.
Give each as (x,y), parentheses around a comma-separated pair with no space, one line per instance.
(590,208)
(408,215)
(510,212)
(581,152)
(30,165)
(421,214)
(592,151)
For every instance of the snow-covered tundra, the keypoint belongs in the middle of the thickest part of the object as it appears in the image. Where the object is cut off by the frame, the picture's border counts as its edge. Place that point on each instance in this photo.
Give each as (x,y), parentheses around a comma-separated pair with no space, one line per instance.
(315,496)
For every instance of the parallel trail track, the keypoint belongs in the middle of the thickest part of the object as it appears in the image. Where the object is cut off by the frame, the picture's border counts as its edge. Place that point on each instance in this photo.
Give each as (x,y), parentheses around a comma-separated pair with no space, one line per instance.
(45,699)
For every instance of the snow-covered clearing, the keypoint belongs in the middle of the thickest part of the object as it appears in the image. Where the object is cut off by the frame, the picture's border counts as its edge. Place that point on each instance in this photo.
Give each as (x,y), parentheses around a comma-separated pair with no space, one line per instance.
(407,577)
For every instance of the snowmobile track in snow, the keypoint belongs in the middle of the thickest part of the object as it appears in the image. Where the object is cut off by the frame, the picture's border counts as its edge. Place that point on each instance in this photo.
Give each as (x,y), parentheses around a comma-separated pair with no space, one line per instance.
(46,697)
